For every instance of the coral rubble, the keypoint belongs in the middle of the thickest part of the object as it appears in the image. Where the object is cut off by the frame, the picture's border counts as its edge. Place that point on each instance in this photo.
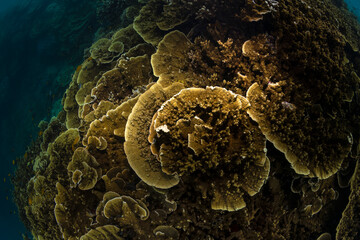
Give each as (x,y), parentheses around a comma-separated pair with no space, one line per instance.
(204,120)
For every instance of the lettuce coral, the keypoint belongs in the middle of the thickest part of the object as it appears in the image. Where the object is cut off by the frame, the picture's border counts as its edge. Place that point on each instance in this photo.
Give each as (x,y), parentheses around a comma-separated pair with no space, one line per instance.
(207,134)
(152,23)
(332,141)
(107,232)
(104,50)
(137,147)
(82,169)
(205,119)
(348,227)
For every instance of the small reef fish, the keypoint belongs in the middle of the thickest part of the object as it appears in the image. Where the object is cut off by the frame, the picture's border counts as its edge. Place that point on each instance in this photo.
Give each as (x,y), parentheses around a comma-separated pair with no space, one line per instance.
(74,143)
(78,68)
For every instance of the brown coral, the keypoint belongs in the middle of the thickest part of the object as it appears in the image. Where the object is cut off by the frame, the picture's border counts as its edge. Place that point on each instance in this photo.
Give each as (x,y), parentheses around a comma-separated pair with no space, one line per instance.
(253,12)
(125,206)
(83,169)
(128,36)
(152,23)
(137,148)
(72,211)
(284,125)
(54,128)
(173,48)
(41,188)
(166,232)
(40,203)
(120,82)
(107,232)
(70,105)
(105,137)
(207,133)
(104,50)
(303,58)
(349,224)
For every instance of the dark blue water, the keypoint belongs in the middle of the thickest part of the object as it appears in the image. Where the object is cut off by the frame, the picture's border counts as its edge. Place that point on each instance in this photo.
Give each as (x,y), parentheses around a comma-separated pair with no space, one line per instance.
(6,5)
(40,45)
(354,6)
(39,51)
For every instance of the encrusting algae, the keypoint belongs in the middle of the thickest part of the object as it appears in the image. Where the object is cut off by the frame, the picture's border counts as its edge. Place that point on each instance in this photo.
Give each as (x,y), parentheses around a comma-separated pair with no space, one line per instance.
(205,119)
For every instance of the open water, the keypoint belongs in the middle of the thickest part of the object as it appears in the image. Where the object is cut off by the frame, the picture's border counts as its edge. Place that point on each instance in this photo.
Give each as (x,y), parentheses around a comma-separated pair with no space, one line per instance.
(39,51)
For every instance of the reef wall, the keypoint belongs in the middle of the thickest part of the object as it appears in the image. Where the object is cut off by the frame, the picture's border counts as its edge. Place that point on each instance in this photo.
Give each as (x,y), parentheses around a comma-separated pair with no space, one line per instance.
(204,120)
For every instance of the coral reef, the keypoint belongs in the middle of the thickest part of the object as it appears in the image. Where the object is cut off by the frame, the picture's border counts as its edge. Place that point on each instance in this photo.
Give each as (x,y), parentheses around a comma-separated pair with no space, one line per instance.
(205,120)
(117,13)
(136,145)
(349,225)
(207,134)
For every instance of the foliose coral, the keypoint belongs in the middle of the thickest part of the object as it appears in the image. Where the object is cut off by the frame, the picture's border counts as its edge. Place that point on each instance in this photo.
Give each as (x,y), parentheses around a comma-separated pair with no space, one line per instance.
(205,120)
(207,134)
(348,227)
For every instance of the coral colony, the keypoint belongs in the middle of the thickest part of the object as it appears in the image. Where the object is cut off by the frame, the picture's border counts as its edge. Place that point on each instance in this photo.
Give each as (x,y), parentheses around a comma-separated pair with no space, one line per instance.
(205,119)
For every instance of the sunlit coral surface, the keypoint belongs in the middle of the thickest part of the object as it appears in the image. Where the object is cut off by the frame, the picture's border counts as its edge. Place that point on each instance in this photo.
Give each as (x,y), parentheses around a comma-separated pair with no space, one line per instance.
(205,119)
